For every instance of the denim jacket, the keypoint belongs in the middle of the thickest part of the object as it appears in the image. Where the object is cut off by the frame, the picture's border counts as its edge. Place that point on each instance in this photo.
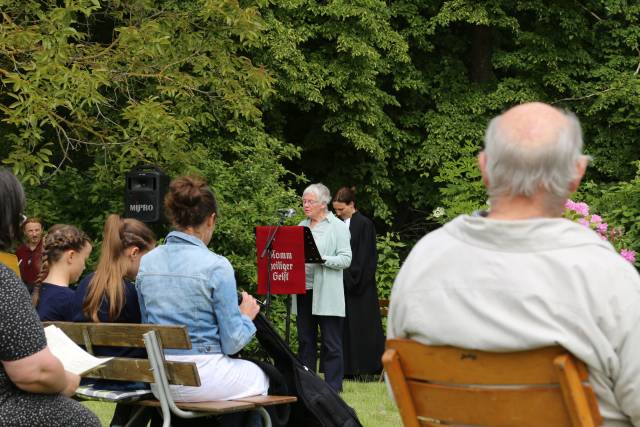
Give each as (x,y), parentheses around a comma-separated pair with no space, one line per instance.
(184,283)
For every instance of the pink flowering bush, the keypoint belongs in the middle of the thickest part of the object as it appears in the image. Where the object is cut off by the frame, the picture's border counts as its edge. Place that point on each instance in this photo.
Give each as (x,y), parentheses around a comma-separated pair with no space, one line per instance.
(579,212)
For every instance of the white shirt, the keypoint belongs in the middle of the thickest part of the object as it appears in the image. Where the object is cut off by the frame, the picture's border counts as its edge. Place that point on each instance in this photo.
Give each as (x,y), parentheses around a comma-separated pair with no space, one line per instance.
(514,285)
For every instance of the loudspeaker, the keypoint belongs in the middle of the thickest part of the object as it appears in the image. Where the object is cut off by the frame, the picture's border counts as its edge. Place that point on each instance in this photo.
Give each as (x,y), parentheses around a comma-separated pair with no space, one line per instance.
(144,193)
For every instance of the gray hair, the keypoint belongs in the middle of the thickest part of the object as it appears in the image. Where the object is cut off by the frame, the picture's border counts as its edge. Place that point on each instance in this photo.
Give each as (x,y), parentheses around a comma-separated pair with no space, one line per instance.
(321,191)
(514,170)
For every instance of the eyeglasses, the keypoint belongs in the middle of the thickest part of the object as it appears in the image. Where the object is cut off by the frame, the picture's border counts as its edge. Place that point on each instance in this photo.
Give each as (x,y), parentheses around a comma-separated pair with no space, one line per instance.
(309,202)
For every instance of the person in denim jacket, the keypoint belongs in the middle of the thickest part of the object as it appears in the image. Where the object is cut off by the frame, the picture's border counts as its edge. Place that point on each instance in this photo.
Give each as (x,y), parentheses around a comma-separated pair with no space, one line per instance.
(184,283)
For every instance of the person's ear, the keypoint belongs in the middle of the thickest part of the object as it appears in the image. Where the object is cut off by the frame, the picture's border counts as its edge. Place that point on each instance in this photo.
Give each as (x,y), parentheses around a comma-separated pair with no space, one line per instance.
(211,221)
(581,168)
(482,164)
(135,251)
(70,255)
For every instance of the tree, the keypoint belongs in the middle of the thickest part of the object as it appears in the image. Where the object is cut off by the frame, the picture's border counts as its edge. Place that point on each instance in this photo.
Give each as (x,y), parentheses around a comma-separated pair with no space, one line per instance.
(91,89)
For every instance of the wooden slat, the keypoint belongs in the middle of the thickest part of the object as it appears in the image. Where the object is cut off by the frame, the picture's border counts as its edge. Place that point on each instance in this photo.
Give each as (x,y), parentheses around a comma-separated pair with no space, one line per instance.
(531,406)
(125,334)
(217,407)
(399,387)
(268,400)
(460,366)
(580,405)
(129,369)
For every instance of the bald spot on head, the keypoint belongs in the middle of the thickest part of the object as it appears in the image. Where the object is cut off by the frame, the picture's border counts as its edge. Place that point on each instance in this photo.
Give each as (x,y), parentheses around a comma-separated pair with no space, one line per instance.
(532,125)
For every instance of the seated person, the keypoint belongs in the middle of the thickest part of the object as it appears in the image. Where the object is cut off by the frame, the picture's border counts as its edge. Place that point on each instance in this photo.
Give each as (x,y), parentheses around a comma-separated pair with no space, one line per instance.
(184,283)
(64,254)
(109,295)
(33,384)
(522,277)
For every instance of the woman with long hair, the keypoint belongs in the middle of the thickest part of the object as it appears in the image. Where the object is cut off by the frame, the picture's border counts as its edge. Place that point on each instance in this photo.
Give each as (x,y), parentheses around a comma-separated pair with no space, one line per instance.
(109,294)
(64,254)
(33,383)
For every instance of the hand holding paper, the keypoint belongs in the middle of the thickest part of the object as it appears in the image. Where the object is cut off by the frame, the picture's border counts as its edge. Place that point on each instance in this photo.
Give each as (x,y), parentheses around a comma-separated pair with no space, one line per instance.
(73,358)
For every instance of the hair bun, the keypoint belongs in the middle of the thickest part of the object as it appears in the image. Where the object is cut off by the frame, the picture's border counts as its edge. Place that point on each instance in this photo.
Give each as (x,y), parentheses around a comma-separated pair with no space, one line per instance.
(189,201)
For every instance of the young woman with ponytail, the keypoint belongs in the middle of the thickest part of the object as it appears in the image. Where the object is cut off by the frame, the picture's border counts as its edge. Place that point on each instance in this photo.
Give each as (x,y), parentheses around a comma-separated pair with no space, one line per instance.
(63,260)
(109,294)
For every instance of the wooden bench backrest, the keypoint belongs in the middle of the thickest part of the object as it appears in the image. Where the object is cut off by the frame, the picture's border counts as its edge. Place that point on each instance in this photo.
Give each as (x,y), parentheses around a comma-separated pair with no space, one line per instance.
(131,335)
(434,385)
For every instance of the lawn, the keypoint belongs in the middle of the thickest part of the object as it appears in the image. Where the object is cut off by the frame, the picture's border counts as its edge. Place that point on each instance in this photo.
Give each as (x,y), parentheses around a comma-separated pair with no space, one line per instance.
(370,400)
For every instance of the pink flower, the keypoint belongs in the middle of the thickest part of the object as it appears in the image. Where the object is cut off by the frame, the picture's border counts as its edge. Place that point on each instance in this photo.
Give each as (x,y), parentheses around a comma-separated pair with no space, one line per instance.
(583,222)
(578,207)
(629,255)
(596,219)
(570,204)
(582,208)
(602,227)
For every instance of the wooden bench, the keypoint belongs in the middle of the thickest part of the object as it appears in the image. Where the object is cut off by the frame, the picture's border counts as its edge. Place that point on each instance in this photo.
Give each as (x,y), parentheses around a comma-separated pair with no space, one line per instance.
(435,385)
(156,370)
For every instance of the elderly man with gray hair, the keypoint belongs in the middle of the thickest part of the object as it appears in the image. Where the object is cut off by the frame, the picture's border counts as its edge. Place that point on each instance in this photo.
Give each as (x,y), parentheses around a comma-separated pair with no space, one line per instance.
(521,277)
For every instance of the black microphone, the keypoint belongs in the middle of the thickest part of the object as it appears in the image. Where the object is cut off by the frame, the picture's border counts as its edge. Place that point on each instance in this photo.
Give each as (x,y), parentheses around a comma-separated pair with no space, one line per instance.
(287,213)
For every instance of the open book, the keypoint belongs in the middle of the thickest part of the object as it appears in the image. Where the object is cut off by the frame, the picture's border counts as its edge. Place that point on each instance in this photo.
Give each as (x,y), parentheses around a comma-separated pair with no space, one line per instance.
(73,358)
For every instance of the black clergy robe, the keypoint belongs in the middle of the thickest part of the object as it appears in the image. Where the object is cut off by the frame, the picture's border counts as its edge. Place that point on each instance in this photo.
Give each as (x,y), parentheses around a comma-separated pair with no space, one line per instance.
(363,341)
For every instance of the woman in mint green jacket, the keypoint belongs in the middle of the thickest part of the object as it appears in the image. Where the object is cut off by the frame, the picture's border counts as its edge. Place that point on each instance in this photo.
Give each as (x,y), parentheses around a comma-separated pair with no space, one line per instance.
(323,304)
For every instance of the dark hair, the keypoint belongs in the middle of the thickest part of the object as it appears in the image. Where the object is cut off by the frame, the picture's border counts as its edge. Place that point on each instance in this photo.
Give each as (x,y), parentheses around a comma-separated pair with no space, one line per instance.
(119,235)
(345,195)
(12,197)
(59,239)
(189,202)
(32,220)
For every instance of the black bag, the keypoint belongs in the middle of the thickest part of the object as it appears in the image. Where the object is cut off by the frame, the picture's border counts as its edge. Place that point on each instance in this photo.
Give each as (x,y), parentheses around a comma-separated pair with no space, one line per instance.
(318,404)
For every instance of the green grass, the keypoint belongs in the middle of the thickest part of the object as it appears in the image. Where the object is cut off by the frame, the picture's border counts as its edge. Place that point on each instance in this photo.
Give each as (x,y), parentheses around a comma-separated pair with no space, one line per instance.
(370,400)
(372,403)
(103,410)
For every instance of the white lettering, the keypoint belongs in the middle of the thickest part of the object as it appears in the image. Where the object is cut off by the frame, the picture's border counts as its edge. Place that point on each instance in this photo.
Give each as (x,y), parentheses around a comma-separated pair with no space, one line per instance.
(140,208)
(279,265)
(280,276)
(281,255)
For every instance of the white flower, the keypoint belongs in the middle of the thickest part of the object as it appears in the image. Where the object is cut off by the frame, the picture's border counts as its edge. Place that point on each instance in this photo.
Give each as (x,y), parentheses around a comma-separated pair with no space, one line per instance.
(438,212)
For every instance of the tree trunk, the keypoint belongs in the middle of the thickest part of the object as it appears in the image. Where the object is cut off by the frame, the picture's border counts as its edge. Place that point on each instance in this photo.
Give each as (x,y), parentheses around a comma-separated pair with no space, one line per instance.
(480,54)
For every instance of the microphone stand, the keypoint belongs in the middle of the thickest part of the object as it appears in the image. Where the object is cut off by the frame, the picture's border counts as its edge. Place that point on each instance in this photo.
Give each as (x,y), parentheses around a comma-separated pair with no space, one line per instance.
(267,252)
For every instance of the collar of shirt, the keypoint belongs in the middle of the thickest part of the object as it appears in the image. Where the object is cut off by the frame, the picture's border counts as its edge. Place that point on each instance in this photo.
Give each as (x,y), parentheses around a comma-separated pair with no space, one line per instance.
(178,237)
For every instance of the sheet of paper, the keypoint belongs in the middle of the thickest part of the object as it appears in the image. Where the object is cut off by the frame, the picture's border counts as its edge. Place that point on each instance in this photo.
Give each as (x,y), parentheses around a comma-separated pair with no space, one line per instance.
(73,358)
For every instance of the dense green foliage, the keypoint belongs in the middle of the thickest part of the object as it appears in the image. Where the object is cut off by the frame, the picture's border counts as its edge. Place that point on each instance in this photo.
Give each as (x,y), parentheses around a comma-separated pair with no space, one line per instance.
(262,97)
(91,90)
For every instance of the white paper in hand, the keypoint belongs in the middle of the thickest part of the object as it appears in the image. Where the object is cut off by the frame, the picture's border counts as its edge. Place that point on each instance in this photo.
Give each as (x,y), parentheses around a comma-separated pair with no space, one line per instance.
(73,358)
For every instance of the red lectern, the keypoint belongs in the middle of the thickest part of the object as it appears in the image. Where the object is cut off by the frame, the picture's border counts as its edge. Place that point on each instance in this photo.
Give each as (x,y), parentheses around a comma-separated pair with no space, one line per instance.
(282,252)
(291,247)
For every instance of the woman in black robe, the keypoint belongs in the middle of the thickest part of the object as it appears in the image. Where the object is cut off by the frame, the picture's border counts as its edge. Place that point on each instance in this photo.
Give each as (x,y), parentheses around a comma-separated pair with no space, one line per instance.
(363,341)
